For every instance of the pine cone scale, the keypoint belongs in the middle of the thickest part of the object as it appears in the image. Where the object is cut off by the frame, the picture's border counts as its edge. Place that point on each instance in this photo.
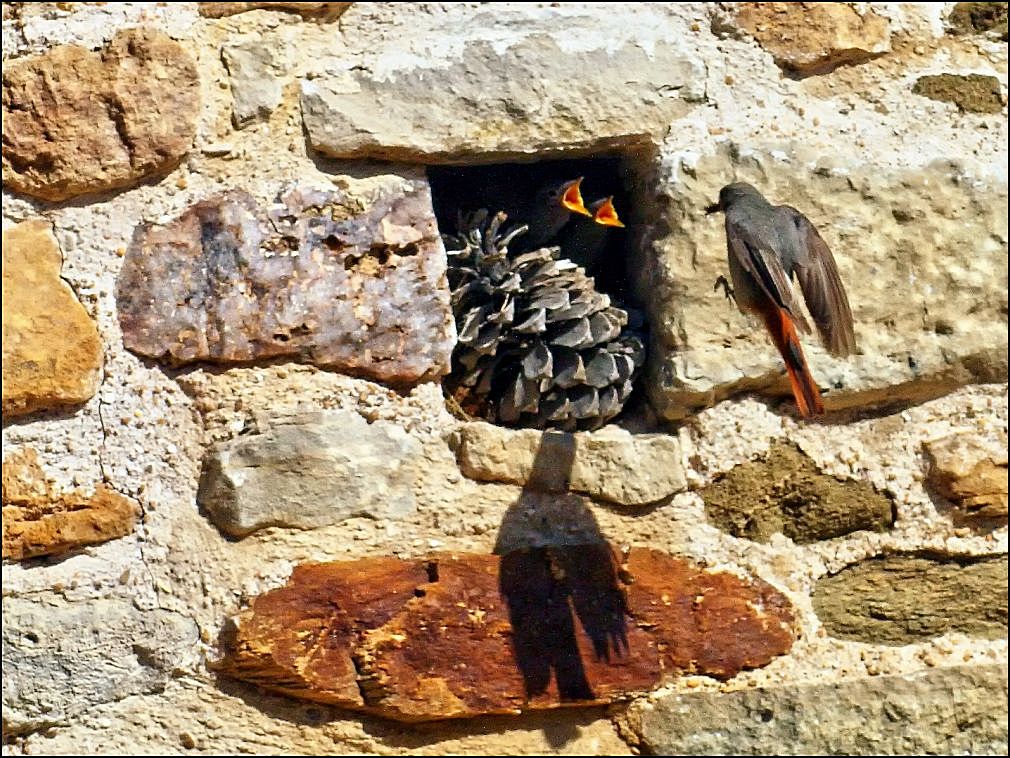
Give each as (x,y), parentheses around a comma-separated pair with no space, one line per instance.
(538,345)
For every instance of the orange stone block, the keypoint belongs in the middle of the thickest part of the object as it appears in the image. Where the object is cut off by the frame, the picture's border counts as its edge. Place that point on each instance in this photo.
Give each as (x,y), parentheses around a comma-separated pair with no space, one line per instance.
(39,520)
(462,635)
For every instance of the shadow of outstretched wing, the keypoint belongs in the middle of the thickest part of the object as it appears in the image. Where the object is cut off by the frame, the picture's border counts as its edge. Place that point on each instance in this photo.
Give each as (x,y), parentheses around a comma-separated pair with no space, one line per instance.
(598,598)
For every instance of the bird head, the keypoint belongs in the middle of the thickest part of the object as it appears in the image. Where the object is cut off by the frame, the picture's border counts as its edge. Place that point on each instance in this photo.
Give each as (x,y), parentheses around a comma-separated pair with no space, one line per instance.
(604,213)
(569,196)
(730,194)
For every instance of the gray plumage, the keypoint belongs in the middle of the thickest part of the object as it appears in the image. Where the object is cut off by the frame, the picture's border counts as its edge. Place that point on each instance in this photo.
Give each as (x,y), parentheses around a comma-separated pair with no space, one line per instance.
(584,239)
(548,211)
(769,245)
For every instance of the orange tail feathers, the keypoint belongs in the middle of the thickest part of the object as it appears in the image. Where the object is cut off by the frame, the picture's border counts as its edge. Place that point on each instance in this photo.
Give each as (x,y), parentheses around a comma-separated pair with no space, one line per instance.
(805,390)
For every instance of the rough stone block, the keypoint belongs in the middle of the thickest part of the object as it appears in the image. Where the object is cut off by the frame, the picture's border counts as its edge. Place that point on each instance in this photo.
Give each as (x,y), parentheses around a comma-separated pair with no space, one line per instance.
(815,38)
(39,520)
(974,93)
(786,493)
(610,464)
(901,599)
(255,88)
(457,635)
(972,474)
(328,11)
(977,18)
(52,355)
(953,711)
(532,99)
(922,253)
(309,471)
(61,660)
(77,121)
(318,278)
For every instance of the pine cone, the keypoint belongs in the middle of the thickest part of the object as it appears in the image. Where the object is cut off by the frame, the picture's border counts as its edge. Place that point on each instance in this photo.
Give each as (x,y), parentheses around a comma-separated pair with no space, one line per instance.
(538,345)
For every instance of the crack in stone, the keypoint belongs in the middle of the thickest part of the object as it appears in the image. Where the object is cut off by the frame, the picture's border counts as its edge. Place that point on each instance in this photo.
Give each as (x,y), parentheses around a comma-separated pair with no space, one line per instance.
(114,110)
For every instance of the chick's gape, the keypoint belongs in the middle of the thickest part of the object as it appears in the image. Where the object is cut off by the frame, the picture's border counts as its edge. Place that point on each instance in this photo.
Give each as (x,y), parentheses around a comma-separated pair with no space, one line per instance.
(550,210)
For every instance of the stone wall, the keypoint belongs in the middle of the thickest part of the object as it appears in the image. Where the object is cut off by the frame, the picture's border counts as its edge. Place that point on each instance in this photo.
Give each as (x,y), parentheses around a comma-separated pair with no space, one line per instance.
(226,321)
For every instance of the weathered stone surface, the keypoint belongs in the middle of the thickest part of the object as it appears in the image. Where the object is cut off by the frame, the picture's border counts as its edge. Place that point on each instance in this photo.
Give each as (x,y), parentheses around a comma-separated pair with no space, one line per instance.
(318,278)
(960,710)
(463,635)
(815,38)
(610,464)
(972,474)
(975,18)
(901,599)
(784,492)
(518,103)
(255,88)
(328,605)
(77,121)
(974,93)
(40,520)
(705,621)
(52,355)
(309,471)
(236,400)
(60,660)
(329,11)
(63,522)
(881,226)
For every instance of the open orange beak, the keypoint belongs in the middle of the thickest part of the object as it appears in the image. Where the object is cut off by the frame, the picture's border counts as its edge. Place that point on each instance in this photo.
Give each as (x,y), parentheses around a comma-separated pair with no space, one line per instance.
(606,214)
(571,197)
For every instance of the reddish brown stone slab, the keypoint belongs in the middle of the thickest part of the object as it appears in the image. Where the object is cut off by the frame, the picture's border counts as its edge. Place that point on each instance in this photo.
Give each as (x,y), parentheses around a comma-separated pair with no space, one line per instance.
(299,639)
(460,635)
(39,520)
(712,623)
(445,653)
(318,277)
(77,121)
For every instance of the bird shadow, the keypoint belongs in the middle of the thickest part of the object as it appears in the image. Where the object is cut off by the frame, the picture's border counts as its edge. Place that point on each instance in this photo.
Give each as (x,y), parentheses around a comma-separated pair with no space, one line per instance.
(559,576)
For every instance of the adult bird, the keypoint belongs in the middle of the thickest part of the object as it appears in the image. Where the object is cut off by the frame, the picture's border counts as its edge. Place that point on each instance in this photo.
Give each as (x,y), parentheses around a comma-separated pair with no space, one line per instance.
(584,240)
(767,246)
(547,212)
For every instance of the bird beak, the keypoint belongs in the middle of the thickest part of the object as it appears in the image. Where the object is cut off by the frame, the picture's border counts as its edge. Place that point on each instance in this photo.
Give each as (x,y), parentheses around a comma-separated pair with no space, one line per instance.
(606,214)
(571,198)
(713,208)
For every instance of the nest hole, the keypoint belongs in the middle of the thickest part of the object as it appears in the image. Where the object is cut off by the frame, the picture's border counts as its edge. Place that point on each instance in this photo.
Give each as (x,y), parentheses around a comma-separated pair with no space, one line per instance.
(528,387)
(509,187)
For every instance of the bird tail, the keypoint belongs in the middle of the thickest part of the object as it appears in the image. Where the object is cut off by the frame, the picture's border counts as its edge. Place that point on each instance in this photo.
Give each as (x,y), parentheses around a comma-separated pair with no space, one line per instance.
(805,390)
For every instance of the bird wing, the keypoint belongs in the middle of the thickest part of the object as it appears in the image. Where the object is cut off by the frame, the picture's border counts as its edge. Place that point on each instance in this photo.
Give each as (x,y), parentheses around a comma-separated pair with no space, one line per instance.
(764,266)
(823,292)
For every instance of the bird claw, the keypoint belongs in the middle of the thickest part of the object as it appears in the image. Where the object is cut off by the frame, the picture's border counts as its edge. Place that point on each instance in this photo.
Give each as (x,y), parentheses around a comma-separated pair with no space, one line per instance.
(723,282)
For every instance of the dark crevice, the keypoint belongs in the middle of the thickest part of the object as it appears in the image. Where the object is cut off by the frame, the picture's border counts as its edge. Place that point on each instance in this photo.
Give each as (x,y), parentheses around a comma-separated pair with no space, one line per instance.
(431,568)
(509,187)
(117,116)
(378,252)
